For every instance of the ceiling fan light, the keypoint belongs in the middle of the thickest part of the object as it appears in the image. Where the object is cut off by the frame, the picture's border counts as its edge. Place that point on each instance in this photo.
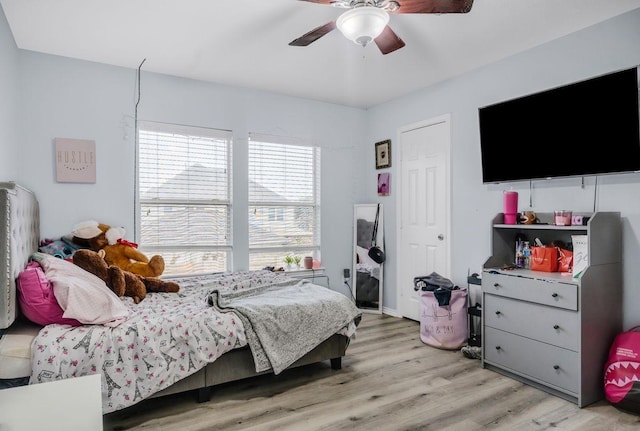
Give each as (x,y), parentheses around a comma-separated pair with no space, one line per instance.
(362,24)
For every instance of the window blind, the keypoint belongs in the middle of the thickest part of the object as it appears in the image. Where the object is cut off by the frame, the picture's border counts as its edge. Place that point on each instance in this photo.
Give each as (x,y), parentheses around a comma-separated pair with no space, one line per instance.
(284,200)
(184,187)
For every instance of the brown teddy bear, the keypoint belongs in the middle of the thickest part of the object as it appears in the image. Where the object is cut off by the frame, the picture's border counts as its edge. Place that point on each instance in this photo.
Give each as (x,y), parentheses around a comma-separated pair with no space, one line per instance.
(528,217)
(121,282)
(117,251)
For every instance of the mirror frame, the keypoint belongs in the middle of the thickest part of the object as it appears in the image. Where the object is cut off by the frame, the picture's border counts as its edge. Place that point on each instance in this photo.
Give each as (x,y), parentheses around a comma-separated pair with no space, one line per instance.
(368,213)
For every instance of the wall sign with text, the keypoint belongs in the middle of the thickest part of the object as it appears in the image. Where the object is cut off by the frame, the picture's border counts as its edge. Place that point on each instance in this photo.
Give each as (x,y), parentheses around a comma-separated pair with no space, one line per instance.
(75,160)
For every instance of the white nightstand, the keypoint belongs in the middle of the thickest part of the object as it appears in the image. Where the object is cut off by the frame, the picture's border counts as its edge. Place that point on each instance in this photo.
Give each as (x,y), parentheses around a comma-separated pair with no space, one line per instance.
(70,404)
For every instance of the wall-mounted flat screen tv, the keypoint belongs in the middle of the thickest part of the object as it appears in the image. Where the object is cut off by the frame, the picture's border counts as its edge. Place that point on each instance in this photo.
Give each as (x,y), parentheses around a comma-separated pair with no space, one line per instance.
(591,127)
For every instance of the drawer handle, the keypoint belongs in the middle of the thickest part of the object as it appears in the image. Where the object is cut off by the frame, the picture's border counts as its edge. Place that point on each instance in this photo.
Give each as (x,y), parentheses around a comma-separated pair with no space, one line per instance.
(556,367)
(496,284)
(556,327)
(498,348)
(498,313)
(555,295)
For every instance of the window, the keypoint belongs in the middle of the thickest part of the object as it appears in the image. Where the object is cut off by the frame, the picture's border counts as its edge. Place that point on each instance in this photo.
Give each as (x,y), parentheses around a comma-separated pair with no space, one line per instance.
(184,187)
(284,200)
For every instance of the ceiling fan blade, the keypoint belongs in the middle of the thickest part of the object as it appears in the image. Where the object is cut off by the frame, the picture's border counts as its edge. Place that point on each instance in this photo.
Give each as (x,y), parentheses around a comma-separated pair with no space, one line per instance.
(388,41)
(433,6)
(313,35)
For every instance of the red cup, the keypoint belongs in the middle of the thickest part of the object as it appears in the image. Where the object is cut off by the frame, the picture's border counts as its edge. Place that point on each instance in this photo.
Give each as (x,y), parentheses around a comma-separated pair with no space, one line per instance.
(510,204)
(308,262)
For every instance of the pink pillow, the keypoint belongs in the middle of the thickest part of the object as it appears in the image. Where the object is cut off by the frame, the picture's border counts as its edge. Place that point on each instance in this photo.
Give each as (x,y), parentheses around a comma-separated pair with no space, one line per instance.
(82,295)
(36,298)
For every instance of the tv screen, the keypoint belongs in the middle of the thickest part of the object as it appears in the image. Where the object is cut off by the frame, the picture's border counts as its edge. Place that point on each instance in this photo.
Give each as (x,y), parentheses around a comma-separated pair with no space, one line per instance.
(590,127)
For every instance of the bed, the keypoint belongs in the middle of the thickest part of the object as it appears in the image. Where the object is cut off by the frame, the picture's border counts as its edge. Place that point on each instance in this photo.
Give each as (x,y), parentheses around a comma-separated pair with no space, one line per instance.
(217,329)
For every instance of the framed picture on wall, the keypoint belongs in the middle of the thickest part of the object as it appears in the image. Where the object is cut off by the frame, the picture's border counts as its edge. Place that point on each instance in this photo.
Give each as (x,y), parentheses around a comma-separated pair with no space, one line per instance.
(75,160)
(383,154)
(384,186)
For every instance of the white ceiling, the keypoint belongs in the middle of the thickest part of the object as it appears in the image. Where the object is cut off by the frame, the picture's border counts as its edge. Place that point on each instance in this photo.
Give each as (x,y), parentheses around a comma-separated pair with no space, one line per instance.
(245,42)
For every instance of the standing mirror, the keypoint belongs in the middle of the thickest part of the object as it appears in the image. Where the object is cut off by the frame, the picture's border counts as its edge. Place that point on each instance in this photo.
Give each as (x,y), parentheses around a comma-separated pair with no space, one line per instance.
(366,272)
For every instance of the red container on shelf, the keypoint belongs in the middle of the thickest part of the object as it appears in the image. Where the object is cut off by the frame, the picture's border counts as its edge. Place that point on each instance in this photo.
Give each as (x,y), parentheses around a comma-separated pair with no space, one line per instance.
(510,204)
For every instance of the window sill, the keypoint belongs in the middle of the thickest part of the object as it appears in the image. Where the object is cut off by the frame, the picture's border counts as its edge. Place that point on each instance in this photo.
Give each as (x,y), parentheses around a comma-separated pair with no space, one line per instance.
(310,274)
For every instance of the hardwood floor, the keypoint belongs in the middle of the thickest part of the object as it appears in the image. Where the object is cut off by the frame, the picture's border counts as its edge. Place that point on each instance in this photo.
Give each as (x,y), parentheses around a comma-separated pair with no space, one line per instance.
(389,380)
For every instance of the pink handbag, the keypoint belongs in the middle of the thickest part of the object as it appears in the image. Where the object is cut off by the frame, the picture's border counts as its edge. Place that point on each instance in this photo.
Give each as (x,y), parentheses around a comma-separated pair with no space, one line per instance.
(622,371)
(443,324)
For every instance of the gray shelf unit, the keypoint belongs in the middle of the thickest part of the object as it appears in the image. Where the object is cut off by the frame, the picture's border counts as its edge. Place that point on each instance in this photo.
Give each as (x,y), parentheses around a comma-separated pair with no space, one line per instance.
(550,330)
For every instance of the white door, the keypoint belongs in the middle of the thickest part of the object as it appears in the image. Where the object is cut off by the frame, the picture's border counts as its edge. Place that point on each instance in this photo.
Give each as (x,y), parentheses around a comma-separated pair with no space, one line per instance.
(424,194)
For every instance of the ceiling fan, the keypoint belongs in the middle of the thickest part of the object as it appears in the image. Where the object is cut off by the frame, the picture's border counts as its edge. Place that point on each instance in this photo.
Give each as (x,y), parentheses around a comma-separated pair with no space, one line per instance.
(367,20)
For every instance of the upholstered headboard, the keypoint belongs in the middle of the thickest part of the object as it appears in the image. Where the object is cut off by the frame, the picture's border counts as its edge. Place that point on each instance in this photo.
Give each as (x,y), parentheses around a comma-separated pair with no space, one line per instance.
(19,237)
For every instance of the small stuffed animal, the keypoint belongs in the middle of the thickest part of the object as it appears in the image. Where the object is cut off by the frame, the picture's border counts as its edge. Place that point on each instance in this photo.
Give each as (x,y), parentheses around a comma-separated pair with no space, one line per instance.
(121,282)
(116,250)
(528,217)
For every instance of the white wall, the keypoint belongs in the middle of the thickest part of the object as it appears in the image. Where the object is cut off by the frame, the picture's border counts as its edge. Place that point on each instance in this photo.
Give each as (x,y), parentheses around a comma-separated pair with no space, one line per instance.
(8,102)
(69,98)
(604,48)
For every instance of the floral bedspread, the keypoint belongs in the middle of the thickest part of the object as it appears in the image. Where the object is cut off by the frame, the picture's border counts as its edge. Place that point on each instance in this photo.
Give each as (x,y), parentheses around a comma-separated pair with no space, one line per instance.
(168,337)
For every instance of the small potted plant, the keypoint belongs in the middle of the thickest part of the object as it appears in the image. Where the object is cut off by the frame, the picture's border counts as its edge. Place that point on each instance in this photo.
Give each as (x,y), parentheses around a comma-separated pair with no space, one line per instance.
(289,260)
(296,260)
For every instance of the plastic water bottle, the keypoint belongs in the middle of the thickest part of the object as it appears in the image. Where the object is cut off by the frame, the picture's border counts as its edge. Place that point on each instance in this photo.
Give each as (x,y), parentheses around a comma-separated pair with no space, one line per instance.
(526,254)
(519,257)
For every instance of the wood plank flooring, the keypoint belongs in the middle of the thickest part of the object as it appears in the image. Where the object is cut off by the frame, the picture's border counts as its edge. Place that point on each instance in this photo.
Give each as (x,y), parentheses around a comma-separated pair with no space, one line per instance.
(389,380)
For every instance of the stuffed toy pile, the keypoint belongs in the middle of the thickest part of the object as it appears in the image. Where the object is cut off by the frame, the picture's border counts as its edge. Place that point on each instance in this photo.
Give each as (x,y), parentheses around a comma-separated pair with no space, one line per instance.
(122,283)
(110,242)
(126,271)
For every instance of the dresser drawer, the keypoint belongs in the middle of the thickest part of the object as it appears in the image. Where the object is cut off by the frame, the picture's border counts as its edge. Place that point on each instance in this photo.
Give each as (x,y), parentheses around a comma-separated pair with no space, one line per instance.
(562,295)
(540,322)
(537,361)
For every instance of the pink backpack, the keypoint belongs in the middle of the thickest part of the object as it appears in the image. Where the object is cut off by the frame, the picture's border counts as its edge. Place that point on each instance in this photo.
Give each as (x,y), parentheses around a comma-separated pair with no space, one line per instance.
(622,371)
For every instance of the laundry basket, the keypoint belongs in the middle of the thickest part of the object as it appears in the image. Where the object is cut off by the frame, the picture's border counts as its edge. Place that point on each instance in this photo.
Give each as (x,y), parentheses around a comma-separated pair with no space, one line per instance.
(443,312)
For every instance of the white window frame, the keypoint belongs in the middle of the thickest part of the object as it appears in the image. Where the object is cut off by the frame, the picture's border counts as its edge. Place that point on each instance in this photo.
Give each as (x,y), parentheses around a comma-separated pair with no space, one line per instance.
(180,246)
(280,206)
